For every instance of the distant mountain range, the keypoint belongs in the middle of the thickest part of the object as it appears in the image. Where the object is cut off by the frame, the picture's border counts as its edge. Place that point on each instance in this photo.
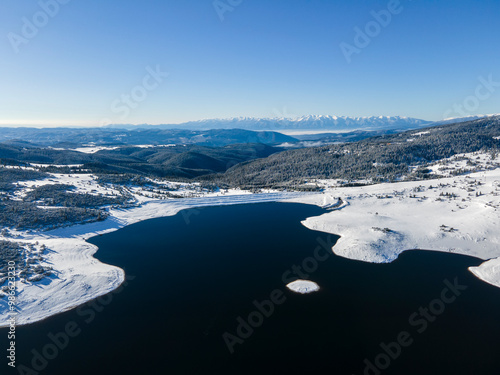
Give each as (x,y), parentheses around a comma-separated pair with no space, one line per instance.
(311,122)
(221,132)
(71,138)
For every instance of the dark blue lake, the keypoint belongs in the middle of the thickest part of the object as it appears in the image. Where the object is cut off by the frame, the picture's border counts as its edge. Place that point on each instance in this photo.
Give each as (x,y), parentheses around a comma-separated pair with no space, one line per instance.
(193,278)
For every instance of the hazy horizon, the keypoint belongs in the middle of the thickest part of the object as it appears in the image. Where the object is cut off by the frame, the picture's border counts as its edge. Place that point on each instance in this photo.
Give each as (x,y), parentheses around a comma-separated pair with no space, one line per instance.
(68,63)
(49,125)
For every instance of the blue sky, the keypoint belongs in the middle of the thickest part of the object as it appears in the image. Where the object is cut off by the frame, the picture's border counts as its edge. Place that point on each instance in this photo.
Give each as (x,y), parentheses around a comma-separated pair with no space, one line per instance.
(91,62)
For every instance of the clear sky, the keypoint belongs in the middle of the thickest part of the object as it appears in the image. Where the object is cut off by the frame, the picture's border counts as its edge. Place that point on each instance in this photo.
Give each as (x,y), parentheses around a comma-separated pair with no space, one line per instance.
(92,62)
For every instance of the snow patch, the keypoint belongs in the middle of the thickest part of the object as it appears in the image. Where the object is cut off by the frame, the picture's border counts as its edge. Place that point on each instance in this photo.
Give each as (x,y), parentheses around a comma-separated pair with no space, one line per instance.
(303,286)
(488,271)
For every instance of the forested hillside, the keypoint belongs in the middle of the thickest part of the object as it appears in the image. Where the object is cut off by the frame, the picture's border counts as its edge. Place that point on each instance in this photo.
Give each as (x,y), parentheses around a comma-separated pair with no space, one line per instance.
(383,158)
(183,161)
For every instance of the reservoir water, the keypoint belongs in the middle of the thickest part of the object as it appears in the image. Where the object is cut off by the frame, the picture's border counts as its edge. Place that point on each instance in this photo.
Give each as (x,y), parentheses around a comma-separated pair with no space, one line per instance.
(205,294)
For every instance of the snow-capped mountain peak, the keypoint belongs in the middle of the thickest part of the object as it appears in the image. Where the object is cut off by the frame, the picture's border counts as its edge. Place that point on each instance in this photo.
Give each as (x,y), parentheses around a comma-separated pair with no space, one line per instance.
(309,122)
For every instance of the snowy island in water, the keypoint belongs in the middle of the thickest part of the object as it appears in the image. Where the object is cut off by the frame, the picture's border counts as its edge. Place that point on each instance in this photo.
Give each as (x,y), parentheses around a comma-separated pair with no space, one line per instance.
(303,286)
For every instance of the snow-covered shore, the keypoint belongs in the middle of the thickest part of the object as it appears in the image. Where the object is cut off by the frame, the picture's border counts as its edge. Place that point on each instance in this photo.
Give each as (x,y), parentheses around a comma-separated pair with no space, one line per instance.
(78,276)
(376,223)
(457,214)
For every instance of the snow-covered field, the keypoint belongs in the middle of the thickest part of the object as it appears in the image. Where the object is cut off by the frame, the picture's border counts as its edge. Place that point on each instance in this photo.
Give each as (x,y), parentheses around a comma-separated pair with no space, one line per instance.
(92,149)
(464,163)
(457,215)
(376,223)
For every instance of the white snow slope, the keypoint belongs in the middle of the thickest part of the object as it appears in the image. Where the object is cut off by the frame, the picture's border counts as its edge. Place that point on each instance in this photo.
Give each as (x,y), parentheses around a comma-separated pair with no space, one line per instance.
(453,214)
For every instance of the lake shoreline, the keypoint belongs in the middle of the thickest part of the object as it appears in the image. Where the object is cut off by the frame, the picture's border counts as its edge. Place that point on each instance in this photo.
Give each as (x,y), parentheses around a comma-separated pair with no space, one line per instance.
(371,229)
